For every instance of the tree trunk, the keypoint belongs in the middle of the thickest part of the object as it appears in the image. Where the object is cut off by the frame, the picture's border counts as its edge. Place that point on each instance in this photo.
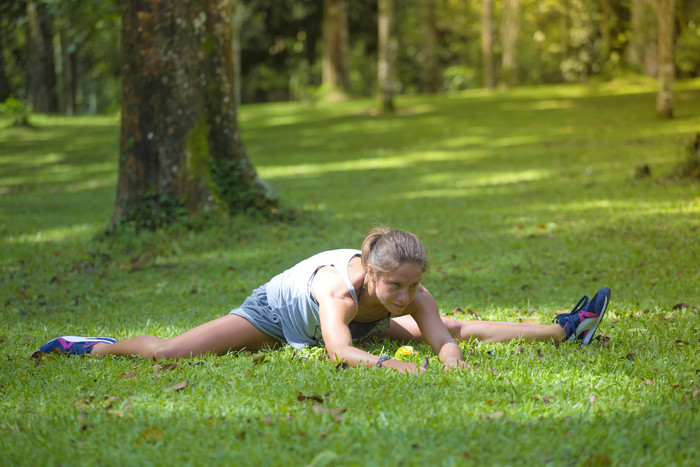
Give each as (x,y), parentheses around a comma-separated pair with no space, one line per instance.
(69,71)
(509,39)
(664,97)
(642,52)
(487,42)
(429,76)
(336,71)
(5,89)
(43,73)
(388,48)
(180,143)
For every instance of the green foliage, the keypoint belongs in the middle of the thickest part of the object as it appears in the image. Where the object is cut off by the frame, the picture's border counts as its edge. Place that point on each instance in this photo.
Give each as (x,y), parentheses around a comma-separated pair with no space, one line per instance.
(156,210)
(16,111)
(525,200)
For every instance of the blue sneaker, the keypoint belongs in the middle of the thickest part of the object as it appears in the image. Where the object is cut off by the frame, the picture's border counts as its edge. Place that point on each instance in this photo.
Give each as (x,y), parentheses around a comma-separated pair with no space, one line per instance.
(583,321)
(74,345)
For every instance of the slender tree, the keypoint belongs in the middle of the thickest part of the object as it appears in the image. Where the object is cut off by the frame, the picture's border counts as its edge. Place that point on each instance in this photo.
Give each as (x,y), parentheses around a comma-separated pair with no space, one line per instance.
(43,73)
(509,39)
(180,144)
(336,70)
(664,97)
(487,42)
(388,49)
(429,72)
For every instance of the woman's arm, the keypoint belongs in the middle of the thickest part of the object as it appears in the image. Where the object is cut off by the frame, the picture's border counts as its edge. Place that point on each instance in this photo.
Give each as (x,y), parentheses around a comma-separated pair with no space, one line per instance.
(425,312)
(336,309)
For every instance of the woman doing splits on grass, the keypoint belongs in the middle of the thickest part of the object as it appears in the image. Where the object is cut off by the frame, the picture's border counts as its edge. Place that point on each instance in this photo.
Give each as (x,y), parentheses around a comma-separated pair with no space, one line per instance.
(339,297)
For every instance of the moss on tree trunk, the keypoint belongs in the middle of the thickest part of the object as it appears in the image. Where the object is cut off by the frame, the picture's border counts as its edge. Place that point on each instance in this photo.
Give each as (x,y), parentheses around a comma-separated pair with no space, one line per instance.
(180,141)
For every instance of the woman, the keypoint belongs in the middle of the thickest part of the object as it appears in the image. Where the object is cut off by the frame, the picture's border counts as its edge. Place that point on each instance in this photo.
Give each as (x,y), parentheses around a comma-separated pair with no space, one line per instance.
(338,297)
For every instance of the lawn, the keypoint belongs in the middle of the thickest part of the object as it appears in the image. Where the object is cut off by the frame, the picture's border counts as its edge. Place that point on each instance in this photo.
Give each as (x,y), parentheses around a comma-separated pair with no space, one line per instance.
(526,201)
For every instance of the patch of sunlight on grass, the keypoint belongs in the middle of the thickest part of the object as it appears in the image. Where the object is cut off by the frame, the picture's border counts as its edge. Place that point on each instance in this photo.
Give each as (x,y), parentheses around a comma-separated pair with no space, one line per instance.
(59,234)
(515,140)
(387,162)
(37,159)
(63,173)
(552,105)
(461,141)
(464,185)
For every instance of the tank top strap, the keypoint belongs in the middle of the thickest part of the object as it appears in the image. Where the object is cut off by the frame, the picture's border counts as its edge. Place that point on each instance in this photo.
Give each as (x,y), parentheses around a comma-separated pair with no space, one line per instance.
(348,283)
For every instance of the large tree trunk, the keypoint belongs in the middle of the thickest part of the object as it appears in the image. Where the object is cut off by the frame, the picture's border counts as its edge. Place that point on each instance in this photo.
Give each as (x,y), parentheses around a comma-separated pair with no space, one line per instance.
(43,73)
(487,42)
(509,39)
(180,142)
(429,71)
(336,71)
(388,49)
(664,97)
(642,51)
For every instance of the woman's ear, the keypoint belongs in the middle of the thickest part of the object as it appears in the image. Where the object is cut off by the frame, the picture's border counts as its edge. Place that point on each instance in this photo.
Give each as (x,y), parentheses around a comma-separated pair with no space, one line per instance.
(370,274)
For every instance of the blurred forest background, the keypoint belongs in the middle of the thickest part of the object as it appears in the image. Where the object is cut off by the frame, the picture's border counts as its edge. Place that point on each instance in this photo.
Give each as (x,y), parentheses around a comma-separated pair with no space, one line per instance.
(64,56)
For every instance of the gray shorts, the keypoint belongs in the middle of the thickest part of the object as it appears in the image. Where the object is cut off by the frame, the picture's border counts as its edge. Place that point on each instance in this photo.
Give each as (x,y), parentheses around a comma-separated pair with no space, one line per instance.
(258,312)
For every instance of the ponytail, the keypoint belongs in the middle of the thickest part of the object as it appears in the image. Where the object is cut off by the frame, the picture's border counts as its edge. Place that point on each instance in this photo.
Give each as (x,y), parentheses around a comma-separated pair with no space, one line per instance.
(386,250)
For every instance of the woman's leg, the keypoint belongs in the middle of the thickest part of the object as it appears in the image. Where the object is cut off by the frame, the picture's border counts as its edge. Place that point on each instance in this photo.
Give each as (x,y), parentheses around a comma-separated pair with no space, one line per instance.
(230,332)
(405,328)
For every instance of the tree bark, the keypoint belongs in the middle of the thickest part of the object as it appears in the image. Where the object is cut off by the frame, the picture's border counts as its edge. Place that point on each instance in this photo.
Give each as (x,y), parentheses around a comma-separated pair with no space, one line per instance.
(180,143)
(664,97)
(388,48)
(69,71)
(336,71)
(509,39)
(5,89)
(429,76)
(487,42)
(642,51)
(43,74)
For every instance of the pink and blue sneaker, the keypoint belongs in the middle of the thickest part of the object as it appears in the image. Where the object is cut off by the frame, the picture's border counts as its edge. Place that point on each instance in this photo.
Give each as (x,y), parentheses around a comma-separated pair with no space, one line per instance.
(74,345)
(582,322)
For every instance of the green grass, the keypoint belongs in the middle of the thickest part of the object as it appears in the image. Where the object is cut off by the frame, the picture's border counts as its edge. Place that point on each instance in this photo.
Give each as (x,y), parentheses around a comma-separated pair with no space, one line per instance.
(525,201)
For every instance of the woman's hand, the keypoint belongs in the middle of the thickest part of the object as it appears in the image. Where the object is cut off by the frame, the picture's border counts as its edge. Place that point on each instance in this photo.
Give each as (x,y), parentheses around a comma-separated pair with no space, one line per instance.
(402,367)
(456,364)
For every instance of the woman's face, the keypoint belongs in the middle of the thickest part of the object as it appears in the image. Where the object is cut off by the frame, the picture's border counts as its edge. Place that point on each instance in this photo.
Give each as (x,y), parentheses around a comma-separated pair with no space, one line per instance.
(397,289)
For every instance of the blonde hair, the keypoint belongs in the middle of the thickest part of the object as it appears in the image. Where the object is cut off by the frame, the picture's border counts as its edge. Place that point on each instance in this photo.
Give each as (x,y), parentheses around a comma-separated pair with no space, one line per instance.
(386,250)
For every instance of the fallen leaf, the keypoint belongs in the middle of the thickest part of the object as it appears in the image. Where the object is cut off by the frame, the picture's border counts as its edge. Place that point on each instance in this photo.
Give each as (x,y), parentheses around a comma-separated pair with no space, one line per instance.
(631,357)
(128,374)
(658,318)
(518,350)
(116,412)
(177,387)
(592,398)
(259,358)
(603,340)
(679,306)
(473,313)
(680,343)
(152,435)
(494,415)
(649,382)
(539,354)
(305,397)
(342,366)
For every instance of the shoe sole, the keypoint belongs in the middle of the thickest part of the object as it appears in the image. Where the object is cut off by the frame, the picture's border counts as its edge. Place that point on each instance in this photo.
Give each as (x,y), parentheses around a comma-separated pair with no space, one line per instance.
(591,325)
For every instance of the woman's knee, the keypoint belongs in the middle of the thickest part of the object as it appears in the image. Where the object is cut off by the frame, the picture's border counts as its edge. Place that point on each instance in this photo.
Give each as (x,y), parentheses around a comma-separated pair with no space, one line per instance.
(459,330)
(165,348)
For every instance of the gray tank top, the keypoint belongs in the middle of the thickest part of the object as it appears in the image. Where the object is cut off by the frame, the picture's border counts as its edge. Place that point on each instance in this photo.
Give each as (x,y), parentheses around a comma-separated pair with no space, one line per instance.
(289,296)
